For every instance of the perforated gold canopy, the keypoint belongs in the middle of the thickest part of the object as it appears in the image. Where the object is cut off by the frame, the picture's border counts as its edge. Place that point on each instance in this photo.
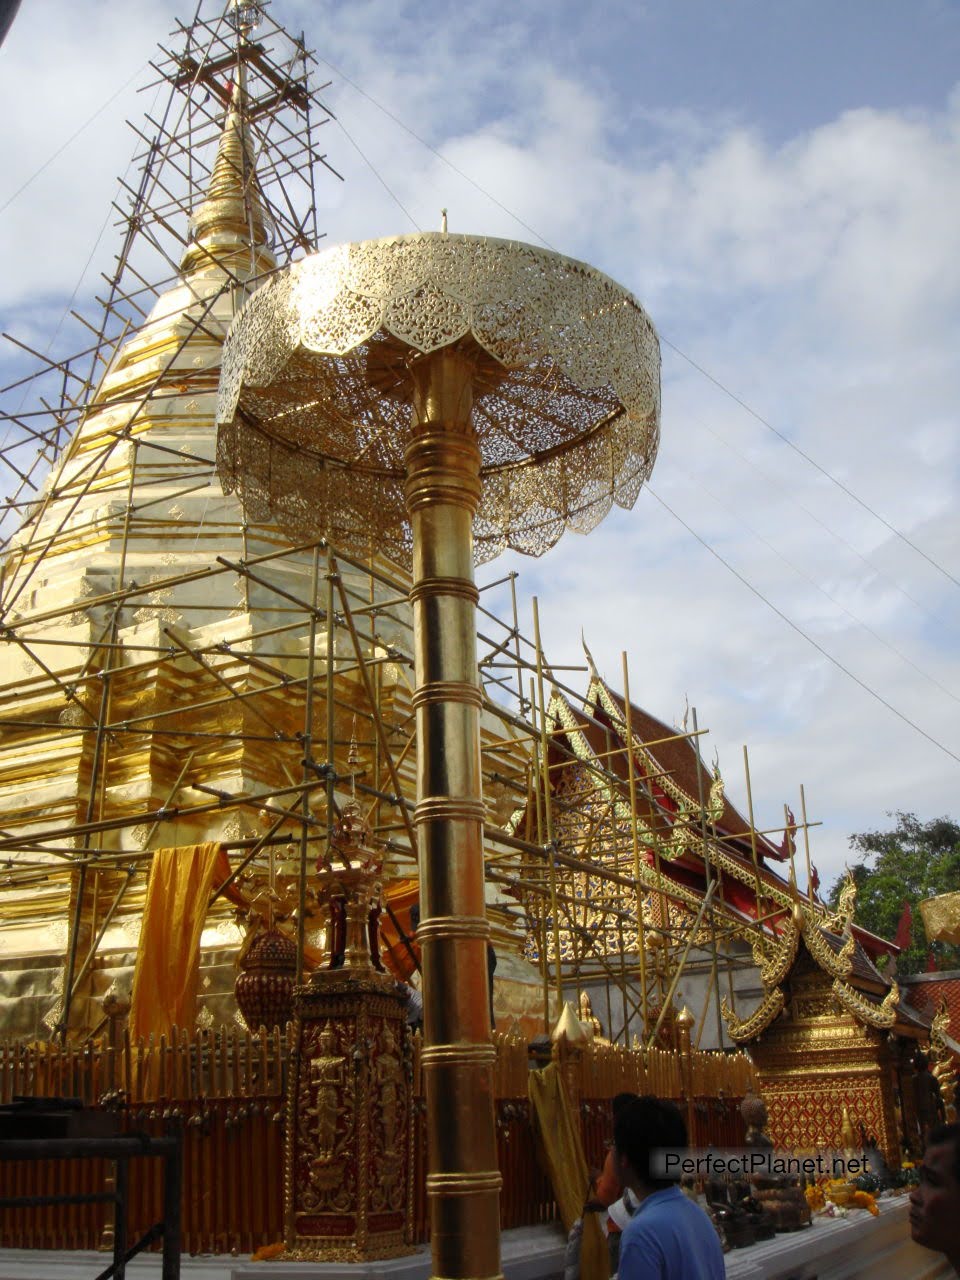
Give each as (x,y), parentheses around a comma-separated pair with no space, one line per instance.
(315,391)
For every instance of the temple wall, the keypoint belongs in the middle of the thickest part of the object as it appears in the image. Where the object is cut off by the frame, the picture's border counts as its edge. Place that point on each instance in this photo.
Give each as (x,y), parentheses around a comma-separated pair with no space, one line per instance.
(695,989)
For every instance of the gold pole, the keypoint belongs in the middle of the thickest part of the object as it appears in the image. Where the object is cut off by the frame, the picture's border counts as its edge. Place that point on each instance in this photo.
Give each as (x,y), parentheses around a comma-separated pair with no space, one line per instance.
(632,779)
(547,807)
(442,488)
(753,830)
(708,871)
(806,843)
(307,755)
(537,793)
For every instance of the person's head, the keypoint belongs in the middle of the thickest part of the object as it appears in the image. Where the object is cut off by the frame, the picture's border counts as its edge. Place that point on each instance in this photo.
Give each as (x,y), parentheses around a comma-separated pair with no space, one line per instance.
(935,1203)
(641,1127)
(621,1100)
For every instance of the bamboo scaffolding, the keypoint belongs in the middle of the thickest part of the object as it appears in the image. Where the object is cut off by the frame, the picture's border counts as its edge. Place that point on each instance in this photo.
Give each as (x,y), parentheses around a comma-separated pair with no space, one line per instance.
(585,861)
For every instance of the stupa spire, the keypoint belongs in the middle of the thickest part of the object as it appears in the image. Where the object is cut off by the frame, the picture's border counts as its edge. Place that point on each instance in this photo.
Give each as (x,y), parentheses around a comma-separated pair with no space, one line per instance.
(231,227)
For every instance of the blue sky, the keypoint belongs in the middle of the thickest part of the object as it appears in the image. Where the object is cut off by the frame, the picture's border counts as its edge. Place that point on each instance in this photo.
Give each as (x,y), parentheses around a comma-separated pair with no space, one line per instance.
(778,184)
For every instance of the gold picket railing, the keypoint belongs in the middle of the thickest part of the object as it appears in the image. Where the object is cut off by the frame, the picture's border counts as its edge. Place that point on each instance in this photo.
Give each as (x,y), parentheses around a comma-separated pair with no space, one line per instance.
(226,1089)
(228,1063)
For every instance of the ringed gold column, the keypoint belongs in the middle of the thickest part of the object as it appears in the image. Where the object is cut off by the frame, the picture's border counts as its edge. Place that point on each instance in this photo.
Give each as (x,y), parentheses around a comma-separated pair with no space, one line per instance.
(434,399)
(442,490)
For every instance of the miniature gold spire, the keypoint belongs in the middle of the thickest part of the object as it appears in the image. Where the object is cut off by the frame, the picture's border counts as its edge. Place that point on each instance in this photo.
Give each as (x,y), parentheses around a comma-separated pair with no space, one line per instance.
(231,226)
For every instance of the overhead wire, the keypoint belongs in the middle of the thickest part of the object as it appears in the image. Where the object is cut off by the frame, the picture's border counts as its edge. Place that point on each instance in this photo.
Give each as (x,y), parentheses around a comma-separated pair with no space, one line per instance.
(824,471)
(73,137)
(782,436)
(800,631)
(811,461)
(730,447)
(754,414)
(376,173)
(802,573)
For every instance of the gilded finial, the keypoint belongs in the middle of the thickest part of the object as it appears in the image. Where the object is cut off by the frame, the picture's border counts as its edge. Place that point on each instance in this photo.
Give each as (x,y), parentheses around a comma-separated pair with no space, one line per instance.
(569,1028)
(353,760)
(589,656)
(244,16)
(231,226)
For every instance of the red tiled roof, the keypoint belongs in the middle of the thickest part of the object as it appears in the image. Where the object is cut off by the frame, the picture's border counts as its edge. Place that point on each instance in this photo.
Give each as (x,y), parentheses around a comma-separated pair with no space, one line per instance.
(926,992)
(679,756)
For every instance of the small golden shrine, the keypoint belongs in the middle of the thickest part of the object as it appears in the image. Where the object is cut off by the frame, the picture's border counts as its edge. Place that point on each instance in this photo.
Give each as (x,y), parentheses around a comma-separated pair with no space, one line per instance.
(348,1181)
(831,1041)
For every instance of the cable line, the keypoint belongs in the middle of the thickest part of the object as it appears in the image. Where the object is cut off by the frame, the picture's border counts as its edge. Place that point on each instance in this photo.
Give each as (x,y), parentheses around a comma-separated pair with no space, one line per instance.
(800,631)
(824,592)
(838,537)
(376,173)
(811,461)
(689,359)
(73,137)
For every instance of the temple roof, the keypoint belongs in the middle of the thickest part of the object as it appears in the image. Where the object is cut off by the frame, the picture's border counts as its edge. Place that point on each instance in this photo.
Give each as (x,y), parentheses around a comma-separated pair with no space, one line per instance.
(926,992)
(677,757)
(862,968)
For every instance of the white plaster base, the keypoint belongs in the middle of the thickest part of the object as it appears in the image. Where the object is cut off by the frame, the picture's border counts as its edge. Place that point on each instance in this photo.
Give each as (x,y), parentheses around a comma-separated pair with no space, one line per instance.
(843,1249)
(528,1253)
(856,1248)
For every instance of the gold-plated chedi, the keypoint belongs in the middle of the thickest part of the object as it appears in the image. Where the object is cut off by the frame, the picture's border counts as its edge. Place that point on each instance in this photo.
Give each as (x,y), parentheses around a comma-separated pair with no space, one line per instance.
(437,398)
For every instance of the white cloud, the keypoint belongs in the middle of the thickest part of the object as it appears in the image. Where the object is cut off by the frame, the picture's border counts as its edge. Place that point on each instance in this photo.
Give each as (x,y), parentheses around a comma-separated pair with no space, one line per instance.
(816,275)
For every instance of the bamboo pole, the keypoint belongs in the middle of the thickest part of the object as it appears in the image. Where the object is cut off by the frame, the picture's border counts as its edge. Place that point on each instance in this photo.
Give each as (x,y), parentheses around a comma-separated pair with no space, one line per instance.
(548,810)
(806,844)
(679,968)
(753,831)
(714,979)
(635,843)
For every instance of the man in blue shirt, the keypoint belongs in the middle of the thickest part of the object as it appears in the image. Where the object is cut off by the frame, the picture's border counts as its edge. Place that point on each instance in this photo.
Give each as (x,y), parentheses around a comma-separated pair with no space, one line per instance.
(669,1237)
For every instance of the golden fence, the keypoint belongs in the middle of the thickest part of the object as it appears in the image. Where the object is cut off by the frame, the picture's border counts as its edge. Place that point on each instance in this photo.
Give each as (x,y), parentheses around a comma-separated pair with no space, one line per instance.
(226,1089)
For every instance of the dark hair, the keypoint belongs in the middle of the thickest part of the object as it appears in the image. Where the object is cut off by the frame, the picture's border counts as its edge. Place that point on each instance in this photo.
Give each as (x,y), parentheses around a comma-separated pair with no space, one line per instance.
(620,1101)
(645,1125)
(947,1133)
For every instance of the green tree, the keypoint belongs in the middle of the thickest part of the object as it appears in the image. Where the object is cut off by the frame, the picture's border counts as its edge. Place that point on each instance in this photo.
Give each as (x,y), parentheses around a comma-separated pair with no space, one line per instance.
(915,860)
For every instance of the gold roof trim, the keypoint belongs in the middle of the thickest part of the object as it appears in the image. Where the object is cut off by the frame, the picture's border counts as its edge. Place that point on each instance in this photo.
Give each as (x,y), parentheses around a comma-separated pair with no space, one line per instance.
(749,1028)
(600,692)
(838,965)
(683,836)
(846,906)
(774,962)
(883,1015)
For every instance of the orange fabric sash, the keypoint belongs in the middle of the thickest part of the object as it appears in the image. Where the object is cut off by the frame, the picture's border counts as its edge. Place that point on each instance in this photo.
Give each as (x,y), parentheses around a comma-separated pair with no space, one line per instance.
(168,957)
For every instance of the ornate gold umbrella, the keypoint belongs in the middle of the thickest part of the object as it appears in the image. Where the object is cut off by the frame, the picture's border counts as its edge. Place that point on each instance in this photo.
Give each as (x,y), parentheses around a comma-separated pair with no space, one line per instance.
(437,398)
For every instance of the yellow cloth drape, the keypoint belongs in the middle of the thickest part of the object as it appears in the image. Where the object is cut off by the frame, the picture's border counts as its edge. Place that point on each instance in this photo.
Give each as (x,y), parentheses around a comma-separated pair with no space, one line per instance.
(941,917)
(168,957)
(558,1136)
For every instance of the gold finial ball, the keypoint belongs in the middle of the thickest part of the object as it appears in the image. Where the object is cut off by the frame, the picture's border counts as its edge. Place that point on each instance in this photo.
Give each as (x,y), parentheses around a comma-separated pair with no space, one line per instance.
(244,16)
(685,1018)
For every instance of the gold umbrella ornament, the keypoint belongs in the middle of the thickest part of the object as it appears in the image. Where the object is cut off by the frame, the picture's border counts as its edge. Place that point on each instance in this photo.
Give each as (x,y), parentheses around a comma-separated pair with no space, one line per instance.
(436,398)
